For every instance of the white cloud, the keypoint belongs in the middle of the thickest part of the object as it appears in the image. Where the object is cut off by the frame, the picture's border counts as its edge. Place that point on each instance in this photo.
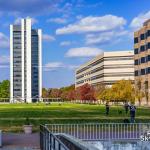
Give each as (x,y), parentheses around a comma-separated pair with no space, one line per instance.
(4,41)
(138,21)
(18,21)
(48,38)
(65,43)
(104,37)
(83,52)
(57,20)
(72,67)
(4,60)
(53,66)
(93,24)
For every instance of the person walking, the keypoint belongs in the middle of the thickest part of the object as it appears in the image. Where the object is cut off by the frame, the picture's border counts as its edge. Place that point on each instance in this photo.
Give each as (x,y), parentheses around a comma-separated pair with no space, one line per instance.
(107,108)
(132,113)
(126,107)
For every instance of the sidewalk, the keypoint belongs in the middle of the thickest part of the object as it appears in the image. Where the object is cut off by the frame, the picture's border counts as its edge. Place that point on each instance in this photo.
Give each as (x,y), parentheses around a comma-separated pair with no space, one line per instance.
(20,141)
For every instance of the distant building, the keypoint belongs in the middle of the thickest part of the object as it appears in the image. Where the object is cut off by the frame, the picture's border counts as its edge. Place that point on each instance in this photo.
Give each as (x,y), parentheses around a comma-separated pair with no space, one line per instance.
(25,62)
(142,60)
(106,68)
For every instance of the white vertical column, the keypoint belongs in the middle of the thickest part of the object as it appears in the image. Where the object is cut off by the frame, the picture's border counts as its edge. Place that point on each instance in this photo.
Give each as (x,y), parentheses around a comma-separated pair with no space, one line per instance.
(22,58)
(40,61)
(11,64)
(28,62)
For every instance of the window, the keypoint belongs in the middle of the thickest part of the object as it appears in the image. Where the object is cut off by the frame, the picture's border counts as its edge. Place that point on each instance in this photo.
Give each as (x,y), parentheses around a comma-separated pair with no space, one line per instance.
(148,58)
(135,40)
(142,71)
(136,51)
(142,37)
(148,33)
(148,46)
(136,62)
(136,72)
(17,90)
(142,48)
(148,70)
(142,59)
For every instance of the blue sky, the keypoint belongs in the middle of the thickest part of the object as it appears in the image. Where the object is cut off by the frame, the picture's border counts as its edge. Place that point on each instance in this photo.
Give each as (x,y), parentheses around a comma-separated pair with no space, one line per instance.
(74,31)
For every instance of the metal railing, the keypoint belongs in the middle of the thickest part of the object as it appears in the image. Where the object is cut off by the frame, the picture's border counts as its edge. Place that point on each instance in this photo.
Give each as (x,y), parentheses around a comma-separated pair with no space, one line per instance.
(48,141)
(102,131)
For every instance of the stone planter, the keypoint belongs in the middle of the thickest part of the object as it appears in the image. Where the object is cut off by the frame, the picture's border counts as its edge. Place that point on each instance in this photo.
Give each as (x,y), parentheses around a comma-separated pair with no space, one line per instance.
(27,129)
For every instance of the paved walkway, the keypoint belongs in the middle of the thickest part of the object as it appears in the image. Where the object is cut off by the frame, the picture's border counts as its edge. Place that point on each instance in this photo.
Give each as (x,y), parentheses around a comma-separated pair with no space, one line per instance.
(20,141)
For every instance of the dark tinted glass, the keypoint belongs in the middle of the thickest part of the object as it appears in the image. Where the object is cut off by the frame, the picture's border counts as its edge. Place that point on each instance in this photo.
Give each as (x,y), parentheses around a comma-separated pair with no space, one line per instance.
(136,62)
(142,71)
(136,51)
(148,69)
(148,58)
(148,45)
(142,59)
(136,73)
(136,40)
(142,48)
(142,36)
(148,33)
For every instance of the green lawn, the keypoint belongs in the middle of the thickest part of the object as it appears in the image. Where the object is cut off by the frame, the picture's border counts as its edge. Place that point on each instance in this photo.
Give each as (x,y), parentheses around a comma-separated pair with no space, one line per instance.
(12,116)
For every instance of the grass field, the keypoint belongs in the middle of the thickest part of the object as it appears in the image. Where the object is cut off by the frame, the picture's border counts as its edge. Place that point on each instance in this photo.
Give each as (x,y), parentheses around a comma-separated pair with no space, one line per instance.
(13,116)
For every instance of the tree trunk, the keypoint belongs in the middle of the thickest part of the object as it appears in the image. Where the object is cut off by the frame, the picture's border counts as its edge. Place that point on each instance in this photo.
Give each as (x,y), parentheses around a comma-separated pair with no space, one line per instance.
(147,100)
(139,102)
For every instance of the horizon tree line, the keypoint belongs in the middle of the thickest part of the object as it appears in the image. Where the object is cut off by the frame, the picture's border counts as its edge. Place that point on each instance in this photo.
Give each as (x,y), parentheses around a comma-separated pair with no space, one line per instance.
(121,91)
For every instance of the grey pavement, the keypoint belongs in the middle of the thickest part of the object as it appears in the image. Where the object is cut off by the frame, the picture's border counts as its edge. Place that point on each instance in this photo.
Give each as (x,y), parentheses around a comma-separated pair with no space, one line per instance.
(20,141)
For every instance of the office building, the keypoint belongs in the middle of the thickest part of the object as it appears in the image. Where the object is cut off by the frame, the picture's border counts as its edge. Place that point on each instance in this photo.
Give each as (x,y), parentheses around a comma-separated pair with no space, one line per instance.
(142,61)
(25,62)
(106,68)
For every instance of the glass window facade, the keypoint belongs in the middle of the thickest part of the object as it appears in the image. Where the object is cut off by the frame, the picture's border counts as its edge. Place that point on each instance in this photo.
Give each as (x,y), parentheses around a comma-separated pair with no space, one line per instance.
(142,48)
(17,73)
(142,59)
(135,40)
(136,51)
(143,71)
(142,36)
(136,62)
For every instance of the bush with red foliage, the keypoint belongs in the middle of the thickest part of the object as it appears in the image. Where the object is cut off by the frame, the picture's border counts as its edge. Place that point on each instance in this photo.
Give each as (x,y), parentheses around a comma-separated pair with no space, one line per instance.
(86,92)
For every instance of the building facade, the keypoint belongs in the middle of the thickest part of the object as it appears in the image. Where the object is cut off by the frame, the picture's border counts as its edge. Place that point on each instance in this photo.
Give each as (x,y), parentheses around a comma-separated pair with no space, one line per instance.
(25,62)
(106,68)
(142,62)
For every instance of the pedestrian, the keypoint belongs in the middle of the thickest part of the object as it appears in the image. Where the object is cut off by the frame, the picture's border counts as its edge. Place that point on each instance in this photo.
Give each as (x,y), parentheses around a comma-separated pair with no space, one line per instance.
(126,106)
(107,108)
(132,113)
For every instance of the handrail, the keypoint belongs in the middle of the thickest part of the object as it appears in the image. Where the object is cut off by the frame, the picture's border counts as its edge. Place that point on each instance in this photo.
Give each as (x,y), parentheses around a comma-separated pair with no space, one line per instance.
(48,141)
(102,131)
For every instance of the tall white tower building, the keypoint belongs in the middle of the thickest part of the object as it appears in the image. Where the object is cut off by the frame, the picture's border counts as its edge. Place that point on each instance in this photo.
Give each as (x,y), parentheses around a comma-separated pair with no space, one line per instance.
(25,62)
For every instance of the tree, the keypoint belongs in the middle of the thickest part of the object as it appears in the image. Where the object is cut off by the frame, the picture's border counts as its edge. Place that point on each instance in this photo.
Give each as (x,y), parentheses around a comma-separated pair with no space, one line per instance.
(86,92)
(99,89)
(68,93)
(123,91)
(44,93)
(106,94)
(5,89)
(138,91)
(55,93)
(146,91)
(71,95)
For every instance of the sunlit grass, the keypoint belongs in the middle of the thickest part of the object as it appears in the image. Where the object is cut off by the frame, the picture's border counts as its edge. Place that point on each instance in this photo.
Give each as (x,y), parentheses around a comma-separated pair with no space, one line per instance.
(12,116)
